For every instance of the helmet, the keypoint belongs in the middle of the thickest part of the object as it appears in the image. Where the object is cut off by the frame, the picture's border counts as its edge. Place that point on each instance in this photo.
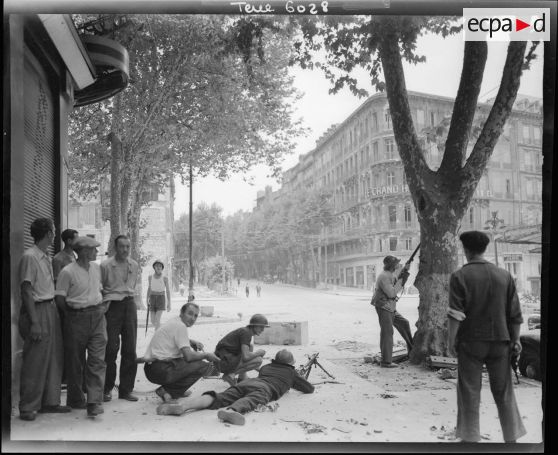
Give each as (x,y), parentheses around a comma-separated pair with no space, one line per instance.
(158,261)
(390,261)
(285,356)
(259,319)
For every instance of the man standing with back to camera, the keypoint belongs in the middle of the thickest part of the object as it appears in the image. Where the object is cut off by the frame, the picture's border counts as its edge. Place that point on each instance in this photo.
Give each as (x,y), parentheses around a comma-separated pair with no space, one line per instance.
(119,275)
(484,320)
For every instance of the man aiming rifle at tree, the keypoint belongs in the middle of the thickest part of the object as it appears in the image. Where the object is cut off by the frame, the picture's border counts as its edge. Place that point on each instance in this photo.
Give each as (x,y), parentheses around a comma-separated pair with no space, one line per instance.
(389,283)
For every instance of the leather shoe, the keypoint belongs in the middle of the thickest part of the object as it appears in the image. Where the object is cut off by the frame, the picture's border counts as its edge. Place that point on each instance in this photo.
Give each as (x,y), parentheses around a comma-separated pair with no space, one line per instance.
(94,409)
(107,396)
(57,409)
(388,365)
(128,397)
(78,405)
(29,416)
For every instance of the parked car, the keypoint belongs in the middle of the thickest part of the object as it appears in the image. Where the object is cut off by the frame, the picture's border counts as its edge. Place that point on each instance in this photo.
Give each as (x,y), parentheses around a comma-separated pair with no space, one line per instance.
(530,358)
(534,321)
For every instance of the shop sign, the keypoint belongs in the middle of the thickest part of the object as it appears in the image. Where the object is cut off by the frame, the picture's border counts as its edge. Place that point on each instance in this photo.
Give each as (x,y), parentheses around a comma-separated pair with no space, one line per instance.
(517,257)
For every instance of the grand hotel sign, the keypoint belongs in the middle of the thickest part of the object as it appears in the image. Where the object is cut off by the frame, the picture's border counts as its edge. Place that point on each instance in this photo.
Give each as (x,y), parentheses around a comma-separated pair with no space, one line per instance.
(380,191)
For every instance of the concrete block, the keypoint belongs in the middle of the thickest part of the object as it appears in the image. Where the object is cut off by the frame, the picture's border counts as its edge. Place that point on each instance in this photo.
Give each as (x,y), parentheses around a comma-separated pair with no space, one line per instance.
(284,333)
(206,311)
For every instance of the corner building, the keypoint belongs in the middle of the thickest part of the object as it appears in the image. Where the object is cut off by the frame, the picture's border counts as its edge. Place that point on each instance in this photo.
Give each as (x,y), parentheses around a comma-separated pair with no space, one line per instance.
(358,163)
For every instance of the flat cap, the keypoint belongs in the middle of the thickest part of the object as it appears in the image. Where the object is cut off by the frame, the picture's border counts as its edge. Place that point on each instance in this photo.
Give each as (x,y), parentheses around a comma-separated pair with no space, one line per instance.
(85,242)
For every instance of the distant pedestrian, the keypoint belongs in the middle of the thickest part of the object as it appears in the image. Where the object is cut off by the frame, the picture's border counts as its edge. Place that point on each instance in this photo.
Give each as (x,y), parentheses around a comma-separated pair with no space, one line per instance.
(258,290)
(173,360)
(389,283)
(85,327)
(181,288)
(158,285)
(39,326)
(238,281)
(236,350)
(119,276)
(247,290)
(273,381)
(66,255)
(484,321)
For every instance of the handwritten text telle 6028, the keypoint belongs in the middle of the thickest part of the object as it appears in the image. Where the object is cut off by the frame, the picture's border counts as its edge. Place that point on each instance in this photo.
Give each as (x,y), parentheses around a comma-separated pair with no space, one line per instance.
(291,7)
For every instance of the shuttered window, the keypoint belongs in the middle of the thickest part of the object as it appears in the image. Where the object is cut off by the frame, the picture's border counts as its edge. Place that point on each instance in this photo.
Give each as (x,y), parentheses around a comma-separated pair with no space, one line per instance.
(39,147)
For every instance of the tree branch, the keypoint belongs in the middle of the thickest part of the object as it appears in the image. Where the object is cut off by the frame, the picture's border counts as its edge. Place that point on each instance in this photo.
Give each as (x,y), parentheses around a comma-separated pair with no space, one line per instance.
(474,62)
(414,163)
(499,113)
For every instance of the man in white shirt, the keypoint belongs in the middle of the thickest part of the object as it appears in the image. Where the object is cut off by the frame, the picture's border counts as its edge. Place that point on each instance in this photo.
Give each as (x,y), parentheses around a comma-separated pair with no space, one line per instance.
(174,361)
(78,288)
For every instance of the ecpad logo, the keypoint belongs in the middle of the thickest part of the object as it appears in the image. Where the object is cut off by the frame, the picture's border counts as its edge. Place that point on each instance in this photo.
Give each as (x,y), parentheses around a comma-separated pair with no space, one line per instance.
(506,24)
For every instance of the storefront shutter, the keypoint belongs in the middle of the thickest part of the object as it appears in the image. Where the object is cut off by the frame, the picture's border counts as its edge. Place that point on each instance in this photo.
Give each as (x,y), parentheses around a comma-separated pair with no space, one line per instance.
(40,147)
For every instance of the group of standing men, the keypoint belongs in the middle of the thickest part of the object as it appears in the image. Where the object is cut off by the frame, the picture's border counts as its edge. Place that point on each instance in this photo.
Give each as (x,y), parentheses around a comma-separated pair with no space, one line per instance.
(74,316)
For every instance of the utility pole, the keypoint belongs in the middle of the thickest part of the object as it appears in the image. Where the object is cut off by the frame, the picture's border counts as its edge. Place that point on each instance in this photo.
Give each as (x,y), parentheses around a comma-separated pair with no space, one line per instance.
(325,254)
(191,279)
(223,256)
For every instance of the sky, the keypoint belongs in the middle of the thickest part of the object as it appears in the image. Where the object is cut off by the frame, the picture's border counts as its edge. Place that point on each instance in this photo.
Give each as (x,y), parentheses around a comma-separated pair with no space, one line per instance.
(439,75)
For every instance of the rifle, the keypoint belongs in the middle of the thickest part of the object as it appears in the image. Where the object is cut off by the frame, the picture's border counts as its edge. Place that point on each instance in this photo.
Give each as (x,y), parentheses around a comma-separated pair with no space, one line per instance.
(305,369)
(407,265)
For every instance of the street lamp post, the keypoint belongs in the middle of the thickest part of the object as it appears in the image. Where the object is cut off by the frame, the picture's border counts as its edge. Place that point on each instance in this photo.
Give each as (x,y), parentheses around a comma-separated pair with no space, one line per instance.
(494,224)
(191,278)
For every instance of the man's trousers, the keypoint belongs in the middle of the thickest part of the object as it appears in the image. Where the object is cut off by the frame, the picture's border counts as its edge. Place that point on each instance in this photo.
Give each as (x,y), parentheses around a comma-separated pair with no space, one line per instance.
(122,323)
(471,355)
(243,397)
(43,361)
(388,320)
(85,331)
(175,375)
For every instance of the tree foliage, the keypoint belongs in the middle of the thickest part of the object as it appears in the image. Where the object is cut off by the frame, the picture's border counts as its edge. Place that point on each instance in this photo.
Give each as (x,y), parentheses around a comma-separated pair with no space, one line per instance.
(279,236)
(196,97)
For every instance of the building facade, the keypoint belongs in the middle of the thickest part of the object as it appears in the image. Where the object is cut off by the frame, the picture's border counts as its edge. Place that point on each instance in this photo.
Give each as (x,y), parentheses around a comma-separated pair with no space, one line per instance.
(358,163)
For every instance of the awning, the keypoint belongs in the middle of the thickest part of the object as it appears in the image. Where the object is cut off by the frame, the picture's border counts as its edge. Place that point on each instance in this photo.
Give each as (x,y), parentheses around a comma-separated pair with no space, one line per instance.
(111,62)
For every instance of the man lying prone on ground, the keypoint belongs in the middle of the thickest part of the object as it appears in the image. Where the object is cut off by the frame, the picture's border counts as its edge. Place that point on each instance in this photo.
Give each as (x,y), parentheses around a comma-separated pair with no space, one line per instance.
(274,380)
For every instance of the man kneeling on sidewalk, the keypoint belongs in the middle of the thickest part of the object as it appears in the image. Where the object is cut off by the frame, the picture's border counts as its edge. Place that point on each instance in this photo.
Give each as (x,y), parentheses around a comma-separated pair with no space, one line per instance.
(172,359)
(236,350)
(274,380)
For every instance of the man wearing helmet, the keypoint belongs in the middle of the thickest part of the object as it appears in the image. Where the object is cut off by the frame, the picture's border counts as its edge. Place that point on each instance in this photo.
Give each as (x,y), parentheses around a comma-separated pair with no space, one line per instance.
(236,350)
(273,381)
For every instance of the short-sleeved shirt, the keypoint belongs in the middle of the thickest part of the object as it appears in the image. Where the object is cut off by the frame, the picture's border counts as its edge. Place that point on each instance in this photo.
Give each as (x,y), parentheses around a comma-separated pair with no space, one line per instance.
(119,278)
(35,267)
(483,297)
(80,287)
(61,260)
(232,341)
(168,340)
